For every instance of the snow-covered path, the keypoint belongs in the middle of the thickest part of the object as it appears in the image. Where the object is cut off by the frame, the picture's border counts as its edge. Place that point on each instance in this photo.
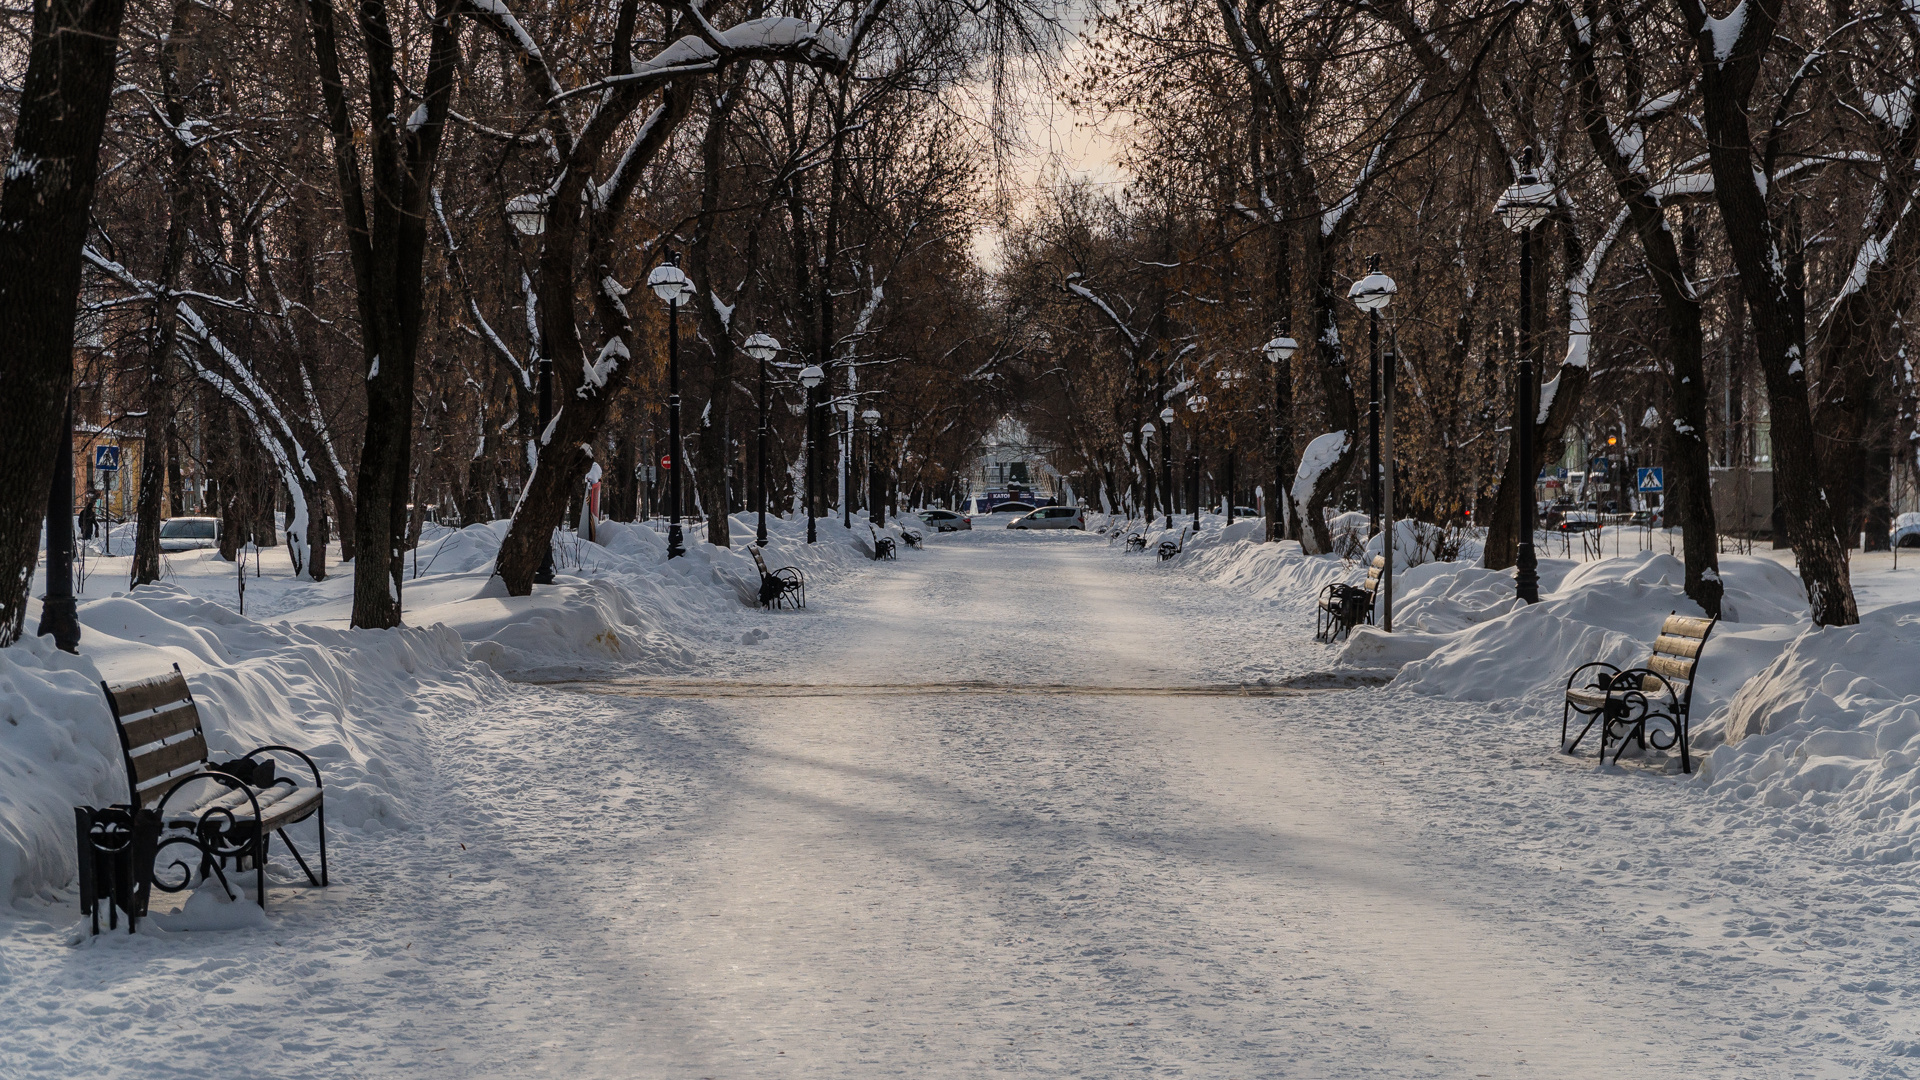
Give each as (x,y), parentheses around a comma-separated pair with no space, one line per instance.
(871,870)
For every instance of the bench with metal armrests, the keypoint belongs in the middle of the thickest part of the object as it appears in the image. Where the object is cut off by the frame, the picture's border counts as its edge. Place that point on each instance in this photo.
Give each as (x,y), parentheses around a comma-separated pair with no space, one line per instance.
(222,812)
(1650,705)
(1343,606)
(785,587)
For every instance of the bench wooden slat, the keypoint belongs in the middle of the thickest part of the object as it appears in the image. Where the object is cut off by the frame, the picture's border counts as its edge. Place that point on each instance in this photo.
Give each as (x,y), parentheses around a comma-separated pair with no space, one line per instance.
(1668,645)
(1686,626)
(150,694)
(164,724)
(1668,667)
(166,759)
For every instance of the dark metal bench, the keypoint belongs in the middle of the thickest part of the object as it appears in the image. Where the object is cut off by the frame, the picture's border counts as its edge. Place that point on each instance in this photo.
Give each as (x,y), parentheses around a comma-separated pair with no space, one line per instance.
(883,546)
(912,538)
(782,587)
(1343,607)
(1659,691)
(228,810)
(1136,542)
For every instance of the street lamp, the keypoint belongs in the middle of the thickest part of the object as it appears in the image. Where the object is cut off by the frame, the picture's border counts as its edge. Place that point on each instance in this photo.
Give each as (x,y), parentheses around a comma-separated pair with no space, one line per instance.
(1197,404)
(1166,462)
(1278,351)
(762,347)
(1524,205)
(811,377)
(670,283)
(1372,294)
(1230,379)
(528,213)
(875,512)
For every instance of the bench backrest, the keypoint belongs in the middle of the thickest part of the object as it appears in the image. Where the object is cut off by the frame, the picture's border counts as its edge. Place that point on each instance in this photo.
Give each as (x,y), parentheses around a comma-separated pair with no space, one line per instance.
(1676,652)
(1378,568)
(754,550)
(159,732)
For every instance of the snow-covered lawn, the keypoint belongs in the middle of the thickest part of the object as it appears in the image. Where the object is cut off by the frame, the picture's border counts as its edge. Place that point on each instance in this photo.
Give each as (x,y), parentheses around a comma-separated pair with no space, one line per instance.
(896,861)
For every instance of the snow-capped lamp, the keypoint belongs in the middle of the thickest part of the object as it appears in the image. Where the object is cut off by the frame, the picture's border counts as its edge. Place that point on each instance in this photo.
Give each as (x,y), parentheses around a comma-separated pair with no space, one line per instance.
(811,376)
(1197,402)
(872,417)
(1280,349)
(1373,292)
(1166,415)
(670,283)
(1521,207)
(528,213)
(762,346)
(1528,202)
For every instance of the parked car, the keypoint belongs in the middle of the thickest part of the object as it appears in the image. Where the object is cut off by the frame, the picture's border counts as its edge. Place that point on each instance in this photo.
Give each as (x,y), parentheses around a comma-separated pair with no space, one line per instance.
(188,533)
(1905,531)
(946,521)
(1246,511)
(1011,507)
(1052,517)
(1579,521)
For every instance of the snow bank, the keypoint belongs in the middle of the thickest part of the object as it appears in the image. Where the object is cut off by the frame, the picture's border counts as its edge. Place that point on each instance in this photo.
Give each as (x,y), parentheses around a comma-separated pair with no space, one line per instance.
(1832,720)
(350,699)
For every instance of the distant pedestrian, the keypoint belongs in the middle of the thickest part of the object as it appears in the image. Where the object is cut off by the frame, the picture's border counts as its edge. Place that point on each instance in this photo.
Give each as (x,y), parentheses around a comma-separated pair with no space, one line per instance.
(90,516)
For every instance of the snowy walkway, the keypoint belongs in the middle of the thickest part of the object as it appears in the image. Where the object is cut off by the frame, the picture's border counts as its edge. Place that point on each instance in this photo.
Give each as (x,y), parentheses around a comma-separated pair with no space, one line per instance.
(871,871)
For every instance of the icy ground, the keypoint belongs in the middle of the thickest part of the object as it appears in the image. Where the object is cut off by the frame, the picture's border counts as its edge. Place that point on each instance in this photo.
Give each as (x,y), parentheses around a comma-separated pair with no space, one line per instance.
(1004,808)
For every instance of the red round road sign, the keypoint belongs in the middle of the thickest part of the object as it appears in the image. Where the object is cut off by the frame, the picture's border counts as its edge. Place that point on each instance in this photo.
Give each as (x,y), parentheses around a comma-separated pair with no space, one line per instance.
(666,461)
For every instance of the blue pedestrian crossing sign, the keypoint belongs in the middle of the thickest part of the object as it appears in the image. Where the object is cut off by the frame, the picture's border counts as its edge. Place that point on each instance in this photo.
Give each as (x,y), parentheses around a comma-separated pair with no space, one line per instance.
(106,459)
(1653,481)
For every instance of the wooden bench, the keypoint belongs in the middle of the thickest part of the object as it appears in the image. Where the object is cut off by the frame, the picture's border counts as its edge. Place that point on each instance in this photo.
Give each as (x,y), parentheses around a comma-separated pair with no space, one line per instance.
(1625,701)
(912,538)
(178,796)
(1343,607)
(784,586)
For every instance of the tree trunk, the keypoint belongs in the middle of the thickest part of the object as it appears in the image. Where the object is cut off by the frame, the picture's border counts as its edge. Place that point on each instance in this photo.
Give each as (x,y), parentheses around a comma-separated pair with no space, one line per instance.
(160,344)
(44,205)
(1776,300)
(1689,498)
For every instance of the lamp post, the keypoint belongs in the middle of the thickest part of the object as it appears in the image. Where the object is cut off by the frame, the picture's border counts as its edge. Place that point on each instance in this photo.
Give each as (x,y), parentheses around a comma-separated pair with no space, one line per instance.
(1230,381)
(1521,207)
(1146,437)
(670,283)
(528,215)
(59,615)
(876,513)
(811,377)
(1197,404)
(1372,294)
(1278,351)
(1166,462)
(763,348)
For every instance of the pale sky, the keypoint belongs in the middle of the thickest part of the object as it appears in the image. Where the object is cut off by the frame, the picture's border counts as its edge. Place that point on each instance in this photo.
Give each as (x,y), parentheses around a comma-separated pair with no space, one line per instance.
(1061,143)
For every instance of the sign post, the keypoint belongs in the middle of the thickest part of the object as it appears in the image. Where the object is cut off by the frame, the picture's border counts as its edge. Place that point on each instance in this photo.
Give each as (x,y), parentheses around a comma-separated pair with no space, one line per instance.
(106,459)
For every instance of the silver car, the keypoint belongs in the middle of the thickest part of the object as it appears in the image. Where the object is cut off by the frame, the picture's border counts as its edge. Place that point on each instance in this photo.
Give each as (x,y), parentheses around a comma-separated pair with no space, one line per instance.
(188,533)
(1052,517)
(946,521)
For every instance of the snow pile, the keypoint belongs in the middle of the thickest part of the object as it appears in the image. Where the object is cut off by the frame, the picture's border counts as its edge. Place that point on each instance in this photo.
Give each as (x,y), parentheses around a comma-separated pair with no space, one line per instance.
(1495,649)
(352,700)
(1834,719)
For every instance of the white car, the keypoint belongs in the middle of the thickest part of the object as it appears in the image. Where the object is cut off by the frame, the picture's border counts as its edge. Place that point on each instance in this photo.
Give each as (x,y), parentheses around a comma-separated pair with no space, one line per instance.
(946,521)
(1905,531)
(1052,517)
(188,533)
